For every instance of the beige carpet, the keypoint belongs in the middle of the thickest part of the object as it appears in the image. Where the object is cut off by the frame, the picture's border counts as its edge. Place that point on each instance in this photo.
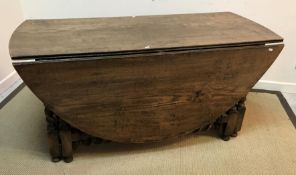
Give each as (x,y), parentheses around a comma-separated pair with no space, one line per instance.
(265,145)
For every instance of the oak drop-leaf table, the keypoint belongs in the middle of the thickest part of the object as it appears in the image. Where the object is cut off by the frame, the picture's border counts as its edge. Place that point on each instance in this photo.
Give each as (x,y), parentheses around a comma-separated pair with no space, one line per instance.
(141,79)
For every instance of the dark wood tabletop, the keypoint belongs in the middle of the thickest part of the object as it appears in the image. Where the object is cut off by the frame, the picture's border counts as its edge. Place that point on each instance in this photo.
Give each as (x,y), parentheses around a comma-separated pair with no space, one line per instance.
(99,35)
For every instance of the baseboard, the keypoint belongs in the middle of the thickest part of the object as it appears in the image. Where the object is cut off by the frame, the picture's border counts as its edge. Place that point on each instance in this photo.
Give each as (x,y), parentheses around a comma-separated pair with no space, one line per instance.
(9,84)
(8,81)
(276,86)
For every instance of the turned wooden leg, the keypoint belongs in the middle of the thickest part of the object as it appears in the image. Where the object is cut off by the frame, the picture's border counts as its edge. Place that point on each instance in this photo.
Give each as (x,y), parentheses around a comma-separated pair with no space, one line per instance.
(241,108)
(53,136)
(230,122)
(62,138)
(59,138)
(66,141)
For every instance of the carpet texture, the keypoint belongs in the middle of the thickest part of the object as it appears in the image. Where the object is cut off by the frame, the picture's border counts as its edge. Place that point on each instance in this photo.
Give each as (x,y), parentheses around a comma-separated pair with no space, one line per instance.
(265,145)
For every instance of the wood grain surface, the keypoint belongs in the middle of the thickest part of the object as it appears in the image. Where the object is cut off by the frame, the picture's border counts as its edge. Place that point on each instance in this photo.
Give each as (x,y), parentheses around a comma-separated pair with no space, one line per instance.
(147,97)
(96,35)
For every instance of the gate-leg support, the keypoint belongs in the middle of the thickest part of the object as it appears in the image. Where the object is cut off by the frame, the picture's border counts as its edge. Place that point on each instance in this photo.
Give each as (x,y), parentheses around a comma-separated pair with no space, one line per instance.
(59,138)
(53,136)
(230,123)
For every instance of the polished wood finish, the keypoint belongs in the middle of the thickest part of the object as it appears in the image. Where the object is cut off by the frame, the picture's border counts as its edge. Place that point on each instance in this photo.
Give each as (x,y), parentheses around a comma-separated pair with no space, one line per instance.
(96,35)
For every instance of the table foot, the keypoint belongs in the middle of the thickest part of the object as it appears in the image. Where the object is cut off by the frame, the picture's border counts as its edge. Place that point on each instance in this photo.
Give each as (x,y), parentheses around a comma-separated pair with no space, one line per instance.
(230,122)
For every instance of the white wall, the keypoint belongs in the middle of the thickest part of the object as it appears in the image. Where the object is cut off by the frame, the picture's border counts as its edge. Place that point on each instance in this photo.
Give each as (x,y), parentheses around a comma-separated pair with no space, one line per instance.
(10,17)
(280,16)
